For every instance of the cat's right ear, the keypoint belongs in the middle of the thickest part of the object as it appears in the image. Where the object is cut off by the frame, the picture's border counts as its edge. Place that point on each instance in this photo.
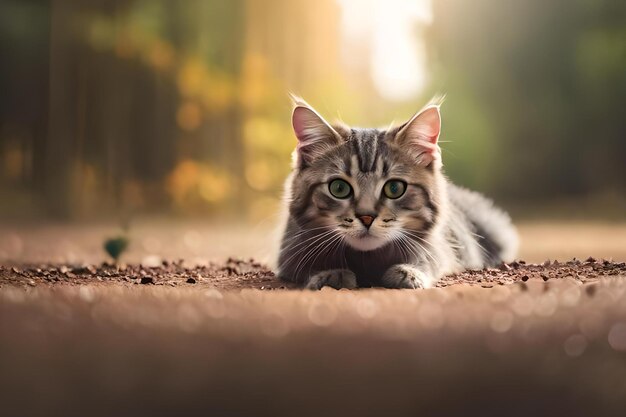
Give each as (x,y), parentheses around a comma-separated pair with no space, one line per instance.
(419,136)
(315,135)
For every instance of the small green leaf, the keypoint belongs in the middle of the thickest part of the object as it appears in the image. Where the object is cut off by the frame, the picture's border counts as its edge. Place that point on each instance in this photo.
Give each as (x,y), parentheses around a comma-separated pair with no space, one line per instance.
(116,246)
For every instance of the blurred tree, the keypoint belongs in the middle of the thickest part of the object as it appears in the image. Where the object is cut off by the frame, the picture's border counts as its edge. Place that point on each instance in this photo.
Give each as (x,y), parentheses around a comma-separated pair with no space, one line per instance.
(24,65)
(548,80)
(112,106)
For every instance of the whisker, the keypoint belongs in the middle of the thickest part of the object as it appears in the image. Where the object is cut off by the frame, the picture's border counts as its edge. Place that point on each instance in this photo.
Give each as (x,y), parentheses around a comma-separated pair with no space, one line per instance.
(307,246)
(329,246)
(294,245)
(416,239)
(314,254)
(297,235)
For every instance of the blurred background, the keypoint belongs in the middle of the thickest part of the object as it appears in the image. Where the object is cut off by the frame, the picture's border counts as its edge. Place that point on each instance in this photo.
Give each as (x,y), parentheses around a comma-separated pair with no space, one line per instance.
(118,109)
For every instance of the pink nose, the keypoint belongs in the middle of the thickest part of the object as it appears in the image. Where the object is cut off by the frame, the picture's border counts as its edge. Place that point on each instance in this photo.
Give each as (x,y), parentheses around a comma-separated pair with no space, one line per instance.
(366,220)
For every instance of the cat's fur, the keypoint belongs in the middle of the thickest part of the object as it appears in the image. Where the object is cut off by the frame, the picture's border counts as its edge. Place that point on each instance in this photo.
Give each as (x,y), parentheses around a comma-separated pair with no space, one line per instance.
(434,228)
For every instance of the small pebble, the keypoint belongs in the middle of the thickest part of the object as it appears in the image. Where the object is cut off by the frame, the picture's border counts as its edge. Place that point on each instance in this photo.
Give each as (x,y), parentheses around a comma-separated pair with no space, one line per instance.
(147,280)
(591,290)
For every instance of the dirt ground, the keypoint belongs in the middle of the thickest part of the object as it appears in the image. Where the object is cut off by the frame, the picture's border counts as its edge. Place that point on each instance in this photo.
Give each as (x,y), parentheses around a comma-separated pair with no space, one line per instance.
(214,335)
(237,274)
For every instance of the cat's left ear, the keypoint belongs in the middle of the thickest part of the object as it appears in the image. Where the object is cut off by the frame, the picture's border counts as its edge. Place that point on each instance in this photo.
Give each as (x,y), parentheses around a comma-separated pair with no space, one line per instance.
(419,136)
(315,135)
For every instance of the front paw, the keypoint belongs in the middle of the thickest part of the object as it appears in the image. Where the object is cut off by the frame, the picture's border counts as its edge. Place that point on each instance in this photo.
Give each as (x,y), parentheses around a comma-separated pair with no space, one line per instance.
(406,276)
(335,278)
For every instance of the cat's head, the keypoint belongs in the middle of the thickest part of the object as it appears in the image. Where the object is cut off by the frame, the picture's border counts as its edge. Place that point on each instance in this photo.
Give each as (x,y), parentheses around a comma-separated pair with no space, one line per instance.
(370,186)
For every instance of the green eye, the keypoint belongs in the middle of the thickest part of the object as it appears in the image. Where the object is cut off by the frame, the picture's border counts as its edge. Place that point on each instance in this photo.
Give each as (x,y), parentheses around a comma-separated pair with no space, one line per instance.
(340,189)
(394,189)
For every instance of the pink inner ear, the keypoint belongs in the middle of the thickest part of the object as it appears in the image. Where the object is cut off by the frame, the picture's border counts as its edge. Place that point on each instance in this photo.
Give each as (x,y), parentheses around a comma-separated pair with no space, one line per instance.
(421,135)
(301,117)
(428,124)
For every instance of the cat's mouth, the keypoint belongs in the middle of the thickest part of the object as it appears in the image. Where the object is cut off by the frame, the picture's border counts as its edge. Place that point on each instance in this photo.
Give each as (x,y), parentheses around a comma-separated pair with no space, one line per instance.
(365,241)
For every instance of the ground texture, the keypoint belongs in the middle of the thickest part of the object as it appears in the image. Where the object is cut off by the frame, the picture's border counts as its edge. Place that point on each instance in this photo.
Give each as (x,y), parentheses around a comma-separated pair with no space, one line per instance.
(237,274)
(226,338)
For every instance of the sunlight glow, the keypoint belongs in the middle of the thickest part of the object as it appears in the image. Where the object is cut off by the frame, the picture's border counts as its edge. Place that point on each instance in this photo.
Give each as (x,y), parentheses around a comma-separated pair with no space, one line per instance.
(391,33)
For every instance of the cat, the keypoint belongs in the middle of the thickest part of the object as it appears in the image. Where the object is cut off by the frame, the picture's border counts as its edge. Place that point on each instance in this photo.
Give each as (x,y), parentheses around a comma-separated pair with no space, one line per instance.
(372,207)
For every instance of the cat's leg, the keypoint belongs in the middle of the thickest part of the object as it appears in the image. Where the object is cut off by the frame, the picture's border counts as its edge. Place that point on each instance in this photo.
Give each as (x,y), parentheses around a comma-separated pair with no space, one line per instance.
(406,276)
(336,278)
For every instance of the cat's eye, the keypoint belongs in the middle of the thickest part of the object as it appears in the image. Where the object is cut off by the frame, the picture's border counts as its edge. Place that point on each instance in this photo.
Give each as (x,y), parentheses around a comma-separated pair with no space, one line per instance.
(340,189)
(394,189)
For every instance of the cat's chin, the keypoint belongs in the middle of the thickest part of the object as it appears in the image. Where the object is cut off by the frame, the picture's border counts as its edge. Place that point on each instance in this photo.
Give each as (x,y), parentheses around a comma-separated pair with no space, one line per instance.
(365,243)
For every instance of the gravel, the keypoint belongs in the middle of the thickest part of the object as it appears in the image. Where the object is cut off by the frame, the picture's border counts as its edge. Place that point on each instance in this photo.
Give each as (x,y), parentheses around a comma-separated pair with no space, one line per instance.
(239,274)
(520,339)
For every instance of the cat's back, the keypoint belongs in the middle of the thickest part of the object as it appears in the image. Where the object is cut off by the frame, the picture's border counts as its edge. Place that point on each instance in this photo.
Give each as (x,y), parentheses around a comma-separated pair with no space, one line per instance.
(491,226)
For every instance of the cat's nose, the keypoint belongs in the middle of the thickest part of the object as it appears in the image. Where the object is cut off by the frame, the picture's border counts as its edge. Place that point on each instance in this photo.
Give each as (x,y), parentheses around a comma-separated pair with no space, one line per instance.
(367,220)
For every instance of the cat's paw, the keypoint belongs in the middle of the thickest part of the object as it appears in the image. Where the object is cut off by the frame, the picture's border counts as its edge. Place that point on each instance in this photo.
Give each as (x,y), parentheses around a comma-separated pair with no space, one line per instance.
(335,278)
(406,276)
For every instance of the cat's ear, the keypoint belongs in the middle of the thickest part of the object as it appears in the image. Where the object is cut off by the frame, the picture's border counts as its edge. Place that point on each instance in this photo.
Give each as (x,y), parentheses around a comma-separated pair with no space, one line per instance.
(419,136)
(315,135)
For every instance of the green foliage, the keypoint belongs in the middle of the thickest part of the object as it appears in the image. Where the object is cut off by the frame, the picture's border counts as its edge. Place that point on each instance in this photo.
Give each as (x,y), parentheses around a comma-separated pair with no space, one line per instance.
(536,89)
(133,105)
(116,246)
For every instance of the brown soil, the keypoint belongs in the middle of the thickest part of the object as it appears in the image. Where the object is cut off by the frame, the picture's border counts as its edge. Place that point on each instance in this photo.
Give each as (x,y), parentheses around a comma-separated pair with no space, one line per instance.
(236,274)
(131,340)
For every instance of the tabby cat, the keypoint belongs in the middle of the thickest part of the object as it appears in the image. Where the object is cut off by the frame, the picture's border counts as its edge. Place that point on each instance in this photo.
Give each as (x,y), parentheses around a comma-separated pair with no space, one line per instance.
(371,207)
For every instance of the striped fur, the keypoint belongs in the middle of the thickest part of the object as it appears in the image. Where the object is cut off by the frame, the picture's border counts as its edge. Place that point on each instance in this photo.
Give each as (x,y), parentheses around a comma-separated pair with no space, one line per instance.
(434,228)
